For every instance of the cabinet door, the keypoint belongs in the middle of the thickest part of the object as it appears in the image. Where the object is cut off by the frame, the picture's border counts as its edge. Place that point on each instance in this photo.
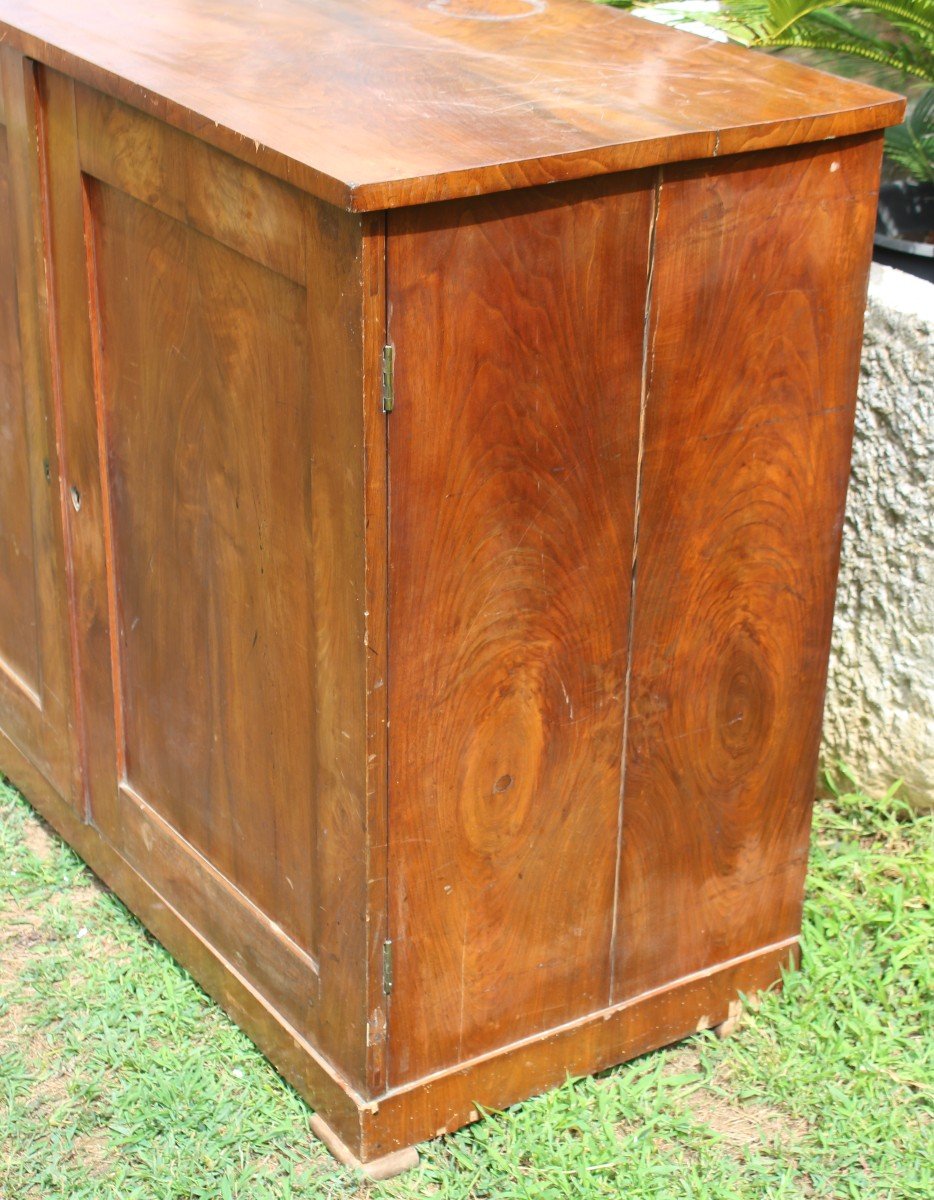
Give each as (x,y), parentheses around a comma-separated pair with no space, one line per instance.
(35,688)
(513,448)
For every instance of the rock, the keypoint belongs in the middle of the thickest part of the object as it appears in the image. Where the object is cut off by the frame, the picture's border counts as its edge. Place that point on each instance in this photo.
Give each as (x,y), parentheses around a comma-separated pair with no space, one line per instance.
(879,717)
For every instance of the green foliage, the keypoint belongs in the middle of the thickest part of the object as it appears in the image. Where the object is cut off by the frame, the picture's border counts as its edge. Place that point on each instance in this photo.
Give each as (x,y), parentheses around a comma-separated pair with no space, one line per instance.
(119,1078)
(911,145)
(901,37)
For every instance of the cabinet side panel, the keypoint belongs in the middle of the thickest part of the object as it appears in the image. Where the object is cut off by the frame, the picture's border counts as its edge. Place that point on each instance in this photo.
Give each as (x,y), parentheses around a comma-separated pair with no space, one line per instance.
(215,433)
(758,296)
(518,327)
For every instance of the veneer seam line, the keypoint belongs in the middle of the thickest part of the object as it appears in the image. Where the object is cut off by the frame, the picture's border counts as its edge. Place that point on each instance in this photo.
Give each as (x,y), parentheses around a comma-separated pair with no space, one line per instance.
(630,635)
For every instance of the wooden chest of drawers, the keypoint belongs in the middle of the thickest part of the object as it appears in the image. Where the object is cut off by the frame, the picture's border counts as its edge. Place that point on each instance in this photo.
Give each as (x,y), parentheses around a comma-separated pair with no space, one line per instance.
(425,436)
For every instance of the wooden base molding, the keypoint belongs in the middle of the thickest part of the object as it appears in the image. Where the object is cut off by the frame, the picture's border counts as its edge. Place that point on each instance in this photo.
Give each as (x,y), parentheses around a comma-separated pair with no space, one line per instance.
(385,1167)
(293,1057)
(603,1039)
(378,1135)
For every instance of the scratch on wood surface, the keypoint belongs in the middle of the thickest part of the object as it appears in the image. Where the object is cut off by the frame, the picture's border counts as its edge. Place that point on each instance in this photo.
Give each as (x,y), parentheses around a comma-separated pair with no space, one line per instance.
(567,698)
(707,728)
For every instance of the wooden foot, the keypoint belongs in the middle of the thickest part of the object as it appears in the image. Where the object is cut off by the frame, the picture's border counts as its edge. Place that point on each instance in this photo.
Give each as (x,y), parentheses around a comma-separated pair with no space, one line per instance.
(380,1168)
(734,1015)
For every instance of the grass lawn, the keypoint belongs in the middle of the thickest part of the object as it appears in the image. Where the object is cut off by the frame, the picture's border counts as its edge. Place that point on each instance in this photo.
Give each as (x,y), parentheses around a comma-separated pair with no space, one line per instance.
(119,1078)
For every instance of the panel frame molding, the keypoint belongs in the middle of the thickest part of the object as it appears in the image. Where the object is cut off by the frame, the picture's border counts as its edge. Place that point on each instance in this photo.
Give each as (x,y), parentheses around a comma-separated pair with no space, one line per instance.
(40,713)
(343,1012)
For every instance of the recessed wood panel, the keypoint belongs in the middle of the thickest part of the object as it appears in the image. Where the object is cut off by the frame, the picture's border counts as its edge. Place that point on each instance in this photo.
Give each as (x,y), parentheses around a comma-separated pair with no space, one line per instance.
(19,647)
(758,295)
(518,328)
(206,449)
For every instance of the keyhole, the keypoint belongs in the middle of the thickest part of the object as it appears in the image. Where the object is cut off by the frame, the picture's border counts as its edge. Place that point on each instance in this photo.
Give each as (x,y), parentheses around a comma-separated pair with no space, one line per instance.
(76,498)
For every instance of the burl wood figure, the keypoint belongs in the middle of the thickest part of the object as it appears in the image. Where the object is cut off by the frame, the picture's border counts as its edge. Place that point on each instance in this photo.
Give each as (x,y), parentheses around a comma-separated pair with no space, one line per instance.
(425,430)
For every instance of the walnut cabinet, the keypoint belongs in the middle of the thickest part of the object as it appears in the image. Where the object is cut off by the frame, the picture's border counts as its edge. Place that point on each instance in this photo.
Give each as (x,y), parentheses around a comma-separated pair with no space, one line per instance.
(425,432)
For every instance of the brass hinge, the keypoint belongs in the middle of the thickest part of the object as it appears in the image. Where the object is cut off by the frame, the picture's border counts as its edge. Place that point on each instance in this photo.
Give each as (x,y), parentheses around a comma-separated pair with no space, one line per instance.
(389,364)
(387,967)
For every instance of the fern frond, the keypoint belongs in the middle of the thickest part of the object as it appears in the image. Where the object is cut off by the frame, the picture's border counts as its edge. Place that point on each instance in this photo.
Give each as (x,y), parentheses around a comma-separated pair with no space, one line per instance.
(911,144)
(912,44)
(916,14)
(841,18)
(834,45)
(911,56)
(826,26)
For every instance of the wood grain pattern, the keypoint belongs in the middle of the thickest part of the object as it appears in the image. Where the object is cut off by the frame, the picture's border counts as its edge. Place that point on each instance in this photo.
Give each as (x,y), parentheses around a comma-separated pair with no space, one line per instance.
(183,178)
(524,678)
(759,290)
(215,426)
(512,480)
(35,669)
(380,103)
(345,317)
(375,586)
(214,674)
(19,643)
(447,1099)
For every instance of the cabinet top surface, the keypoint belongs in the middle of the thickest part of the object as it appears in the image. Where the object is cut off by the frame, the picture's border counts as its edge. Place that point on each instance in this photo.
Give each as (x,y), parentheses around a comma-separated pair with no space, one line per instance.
(380,103)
